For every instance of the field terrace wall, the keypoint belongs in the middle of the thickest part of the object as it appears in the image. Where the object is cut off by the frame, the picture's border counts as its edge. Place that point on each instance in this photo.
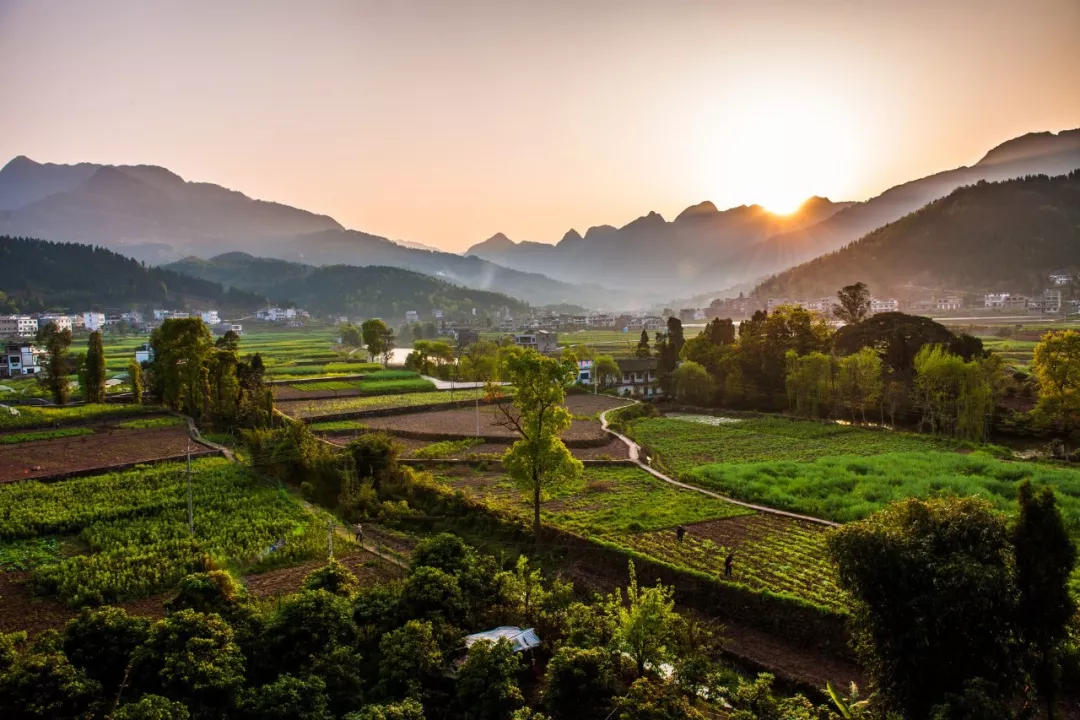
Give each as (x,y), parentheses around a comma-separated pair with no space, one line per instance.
(779,614)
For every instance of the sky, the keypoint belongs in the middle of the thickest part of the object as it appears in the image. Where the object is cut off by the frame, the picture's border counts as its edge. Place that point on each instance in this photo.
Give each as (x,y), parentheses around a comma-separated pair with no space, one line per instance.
(444,122)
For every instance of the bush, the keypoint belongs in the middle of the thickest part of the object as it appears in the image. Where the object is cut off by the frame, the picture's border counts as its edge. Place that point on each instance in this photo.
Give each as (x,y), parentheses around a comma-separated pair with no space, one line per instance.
(334,578)
(580,682)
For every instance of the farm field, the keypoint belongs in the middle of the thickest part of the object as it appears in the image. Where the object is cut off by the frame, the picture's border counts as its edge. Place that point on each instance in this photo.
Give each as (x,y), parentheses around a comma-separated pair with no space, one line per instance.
(461,423)
(131,536)
(334,406)
(614,449)
(381,382)
(29,416)
(607,342)
(100,447)
(681,443)
(628,508)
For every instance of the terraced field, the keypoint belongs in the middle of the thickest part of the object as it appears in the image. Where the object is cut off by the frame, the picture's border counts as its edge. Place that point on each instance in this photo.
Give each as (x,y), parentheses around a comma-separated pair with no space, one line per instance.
(335,406)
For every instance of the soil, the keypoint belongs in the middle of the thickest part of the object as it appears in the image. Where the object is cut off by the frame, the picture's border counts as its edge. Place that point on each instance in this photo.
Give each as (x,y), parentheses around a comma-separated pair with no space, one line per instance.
(592,404)
(367,568)
(614,449)
(105,448)
(285,392)
(461,422)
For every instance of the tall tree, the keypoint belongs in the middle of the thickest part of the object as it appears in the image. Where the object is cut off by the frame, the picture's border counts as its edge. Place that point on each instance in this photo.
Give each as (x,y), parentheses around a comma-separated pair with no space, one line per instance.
(57,362)
(954,396)
(538,461)
(1057,370)
(934,600)
(675,335)
(181,349)
(1045,556)
(646,623)
(643,350)
(720,332)
(810,383)
(378,338)
(859,382)
(136,379)
(692,384)
(854,303)
(94,386)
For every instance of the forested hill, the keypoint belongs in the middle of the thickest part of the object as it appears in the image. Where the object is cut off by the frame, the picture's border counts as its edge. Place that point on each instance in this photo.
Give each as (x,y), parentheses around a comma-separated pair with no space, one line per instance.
(1005,236)
(367,291)
(37,275)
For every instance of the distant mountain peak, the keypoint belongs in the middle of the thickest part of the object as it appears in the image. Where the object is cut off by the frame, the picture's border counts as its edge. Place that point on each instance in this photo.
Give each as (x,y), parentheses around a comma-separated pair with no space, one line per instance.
(702,209)
(572,236)
(1032,145)
(652,220)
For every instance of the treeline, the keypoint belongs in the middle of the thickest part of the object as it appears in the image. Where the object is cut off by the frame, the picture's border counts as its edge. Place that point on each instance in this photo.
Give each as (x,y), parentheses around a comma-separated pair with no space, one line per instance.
(369,291)
(1005,236)
(38,275)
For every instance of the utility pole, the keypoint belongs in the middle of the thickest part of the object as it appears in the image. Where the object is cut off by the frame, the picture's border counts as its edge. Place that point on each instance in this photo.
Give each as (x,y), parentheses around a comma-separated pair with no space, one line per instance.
(330,537)
(190,506)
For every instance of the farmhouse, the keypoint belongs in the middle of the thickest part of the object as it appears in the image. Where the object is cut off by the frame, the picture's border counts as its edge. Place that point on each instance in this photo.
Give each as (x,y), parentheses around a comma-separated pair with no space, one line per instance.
(878,305)
(93,321)
(637,377)
(542,341)
(1005,301)
(1061,277)
(1049,302)
(21,359)
(17,326)
(62,322)
(210,317)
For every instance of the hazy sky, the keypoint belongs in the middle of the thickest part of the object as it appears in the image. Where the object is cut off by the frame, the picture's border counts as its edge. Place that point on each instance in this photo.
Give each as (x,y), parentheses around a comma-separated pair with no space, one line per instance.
(447,121)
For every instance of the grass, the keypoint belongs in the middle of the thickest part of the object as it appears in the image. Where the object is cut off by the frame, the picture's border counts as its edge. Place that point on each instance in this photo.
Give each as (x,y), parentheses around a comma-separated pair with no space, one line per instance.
(391,375)
(134,524)
(31,416)
(15,438)
(396,387)
(148,423)
(334,406)
(683,444)
(447,448)
(29,553)
(326,386)
(330,426)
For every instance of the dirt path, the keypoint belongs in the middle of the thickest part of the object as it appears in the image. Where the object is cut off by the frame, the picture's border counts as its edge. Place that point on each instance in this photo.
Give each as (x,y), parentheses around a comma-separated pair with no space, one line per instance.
(635,456)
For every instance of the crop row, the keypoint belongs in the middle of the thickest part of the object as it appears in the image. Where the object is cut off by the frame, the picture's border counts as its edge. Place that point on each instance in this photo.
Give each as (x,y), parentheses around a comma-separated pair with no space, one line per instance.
(333,406)
(29,416)
(135,525)
(16,438)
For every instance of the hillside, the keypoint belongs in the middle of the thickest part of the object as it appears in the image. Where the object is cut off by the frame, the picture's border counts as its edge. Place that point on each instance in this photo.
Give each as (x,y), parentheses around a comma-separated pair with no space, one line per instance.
(1033,154)
(155,216)
(386,292)
(1005,236)
(38,275)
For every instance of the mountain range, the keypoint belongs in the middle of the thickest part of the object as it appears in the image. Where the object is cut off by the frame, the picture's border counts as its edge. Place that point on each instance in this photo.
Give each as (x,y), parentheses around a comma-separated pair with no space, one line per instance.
(156,216)
(1006,236)
(704,250)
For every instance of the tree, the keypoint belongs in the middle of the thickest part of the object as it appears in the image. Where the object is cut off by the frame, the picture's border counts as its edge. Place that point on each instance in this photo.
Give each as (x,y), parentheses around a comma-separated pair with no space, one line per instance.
(215,591)
(643,350)
(136,380)
(1056,367)
(350,336)
(487,687)
(606,370)
(288,698)
(810,383)
(898,338)
(153,707)
(192,658)
(38,681)
(378,339)
(334,578)
(692,384)
(410,659)
(94,388)
(854,303)
(954,396)
(580,682)
(754,700)
(430,593)
(539,461)
(655,699)
(859,382)
(306,626)
(646,622)
(100,642)
(1045,557)
(57,362)
(407,709)
(181,349)
(675,335)
(934,599)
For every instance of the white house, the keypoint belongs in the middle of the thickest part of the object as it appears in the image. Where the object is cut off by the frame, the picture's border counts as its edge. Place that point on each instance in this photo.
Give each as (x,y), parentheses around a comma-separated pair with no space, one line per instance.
(276,314)
(543,342)
(878,305)
(948,303)
(1061,277)
(144,354)
(584,375)
(638,377)
(227,327)
(169,315)
(18,325)
(21,359)
(412,316)
(1049,302)
(210,317)
(62,322)
(93,321)
(1005,301)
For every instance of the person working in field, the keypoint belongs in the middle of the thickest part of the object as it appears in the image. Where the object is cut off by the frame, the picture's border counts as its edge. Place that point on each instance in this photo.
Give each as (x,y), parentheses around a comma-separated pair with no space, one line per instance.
(359,533)
(728,562)
(680,533)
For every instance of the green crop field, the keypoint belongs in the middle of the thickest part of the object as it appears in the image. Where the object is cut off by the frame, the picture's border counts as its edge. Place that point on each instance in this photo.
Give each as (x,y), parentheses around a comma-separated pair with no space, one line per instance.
(16,438)
(334,406)
(681,443)
(629,509)
(31,416)
(133,532)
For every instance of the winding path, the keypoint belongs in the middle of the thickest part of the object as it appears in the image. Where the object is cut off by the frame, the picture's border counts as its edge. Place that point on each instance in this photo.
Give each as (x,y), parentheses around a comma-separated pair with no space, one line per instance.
(635,457)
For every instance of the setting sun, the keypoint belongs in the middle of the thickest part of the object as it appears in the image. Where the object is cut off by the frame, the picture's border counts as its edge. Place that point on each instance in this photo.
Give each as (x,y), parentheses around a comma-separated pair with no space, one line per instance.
(783,204)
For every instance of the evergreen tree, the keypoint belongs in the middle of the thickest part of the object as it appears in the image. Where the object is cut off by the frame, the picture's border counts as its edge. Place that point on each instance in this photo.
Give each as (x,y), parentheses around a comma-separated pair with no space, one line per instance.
(1045,556)
(94,383)
(136,380)
(57,362)
(643,350)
